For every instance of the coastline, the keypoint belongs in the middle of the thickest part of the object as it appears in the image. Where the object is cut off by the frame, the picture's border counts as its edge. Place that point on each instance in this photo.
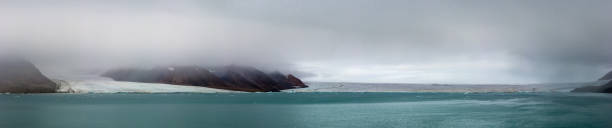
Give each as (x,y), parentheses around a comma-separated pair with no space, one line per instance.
(109,86)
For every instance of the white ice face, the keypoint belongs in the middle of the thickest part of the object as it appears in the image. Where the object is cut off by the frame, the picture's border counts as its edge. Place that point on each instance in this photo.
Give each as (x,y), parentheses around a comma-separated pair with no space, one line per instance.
(109,86)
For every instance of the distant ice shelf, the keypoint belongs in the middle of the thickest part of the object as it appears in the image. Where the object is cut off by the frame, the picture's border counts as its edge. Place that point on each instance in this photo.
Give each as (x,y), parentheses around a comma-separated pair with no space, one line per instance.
(380,87)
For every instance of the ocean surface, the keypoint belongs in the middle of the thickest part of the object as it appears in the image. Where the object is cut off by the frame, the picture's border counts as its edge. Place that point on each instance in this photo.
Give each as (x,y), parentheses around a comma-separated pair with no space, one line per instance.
(307,110)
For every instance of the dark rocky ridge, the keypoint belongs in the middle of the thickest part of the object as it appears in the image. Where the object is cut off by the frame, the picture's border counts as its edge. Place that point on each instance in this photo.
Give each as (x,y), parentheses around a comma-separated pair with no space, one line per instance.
(237,78)
(295,81)
(607,76)
(21,76)
(606,88)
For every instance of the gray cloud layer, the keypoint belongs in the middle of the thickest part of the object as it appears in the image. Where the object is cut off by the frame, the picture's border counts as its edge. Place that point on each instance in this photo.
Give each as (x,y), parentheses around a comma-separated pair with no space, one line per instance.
(473,41)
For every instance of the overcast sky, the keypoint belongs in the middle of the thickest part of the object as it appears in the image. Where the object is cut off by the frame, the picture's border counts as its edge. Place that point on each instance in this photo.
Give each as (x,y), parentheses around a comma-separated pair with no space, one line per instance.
(391,41)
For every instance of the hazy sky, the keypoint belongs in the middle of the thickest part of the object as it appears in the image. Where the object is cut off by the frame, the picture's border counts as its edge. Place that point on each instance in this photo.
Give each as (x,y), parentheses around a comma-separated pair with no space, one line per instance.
(406,41)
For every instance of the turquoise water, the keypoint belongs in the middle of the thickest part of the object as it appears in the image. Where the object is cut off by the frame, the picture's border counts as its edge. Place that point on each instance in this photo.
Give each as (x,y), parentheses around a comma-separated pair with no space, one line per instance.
(306,110)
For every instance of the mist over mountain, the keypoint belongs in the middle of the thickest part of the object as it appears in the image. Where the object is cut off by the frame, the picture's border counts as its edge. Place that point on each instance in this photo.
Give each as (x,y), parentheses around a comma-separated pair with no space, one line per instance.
(233,77)
(392,41)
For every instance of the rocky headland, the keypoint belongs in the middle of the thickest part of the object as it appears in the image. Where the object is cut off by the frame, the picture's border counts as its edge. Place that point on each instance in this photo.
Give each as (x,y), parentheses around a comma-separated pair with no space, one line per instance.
(607,76)
(605,88)
(20,76)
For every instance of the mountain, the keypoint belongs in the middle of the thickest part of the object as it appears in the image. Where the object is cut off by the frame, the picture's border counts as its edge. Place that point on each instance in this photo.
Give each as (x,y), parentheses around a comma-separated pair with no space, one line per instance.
(605,88)
(21,76)
(180,75)
(239,78)
(295,81)
(287,81)
(607,76)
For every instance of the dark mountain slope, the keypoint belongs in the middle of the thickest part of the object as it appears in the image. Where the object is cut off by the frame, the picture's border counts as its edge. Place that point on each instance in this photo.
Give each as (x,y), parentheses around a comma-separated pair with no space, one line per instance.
(239,78)
(21,76)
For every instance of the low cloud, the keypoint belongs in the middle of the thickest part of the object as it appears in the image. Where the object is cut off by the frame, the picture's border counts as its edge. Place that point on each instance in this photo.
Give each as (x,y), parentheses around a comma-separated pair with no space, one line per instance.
(348,40)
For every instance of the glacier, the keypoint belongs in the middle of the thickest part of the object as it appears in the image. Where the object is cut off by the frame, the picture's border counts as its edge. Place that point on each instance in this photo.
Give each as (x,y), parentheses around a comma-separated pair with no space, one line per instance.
(109,86)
